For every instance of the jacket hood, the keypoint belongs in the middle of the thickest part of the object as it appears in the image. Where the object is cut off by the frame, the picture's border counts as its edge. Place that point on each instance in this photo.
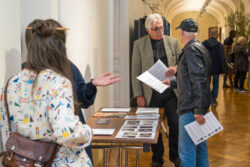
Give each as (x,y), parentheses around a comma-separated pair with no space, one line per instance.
(210,43)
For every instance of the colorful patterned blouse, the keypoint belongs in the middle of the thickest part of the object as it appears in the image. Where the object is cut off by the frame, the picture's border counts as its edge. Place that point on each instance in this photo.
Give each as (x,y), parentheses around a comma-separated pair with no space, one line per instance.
(47,115)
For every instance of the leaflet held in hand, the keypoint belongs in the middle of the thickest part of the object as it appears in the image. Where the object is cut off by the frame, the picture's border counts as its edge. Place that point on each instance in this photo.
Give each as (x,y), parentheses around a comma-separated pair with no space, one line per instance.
(199,133)
(154,76)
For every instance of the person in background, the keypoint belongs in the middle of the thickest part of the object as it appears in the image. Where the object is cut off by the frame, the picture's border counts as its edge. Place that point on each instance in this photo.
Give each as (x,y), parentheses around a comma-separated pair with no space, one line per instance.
(248,62)
(216,51)
(146,51)
(85,92)
(228,42)
(42,101)
(240,64)
(193,74)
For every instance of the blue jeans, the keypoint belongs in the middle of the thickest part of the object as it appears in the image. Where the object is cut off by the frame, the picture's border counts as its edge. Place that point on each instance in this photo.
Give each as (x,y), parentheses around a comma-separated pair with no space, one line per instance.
(191,155)
(215,88)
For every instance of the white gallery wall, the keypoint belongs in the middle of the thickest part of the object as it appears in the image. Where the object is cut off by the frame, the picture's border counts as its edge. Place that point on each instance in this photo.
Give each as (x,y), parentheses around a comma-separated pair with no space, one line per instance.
(10,44)
(74,15)
(88,41)
(35,9)
(101,52)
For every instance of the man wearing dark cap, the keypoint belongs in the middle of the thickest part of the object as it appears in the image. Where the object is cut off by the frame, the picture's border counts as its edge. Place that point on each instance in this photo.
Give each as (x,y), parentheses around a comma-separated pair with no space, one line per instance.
(193,93)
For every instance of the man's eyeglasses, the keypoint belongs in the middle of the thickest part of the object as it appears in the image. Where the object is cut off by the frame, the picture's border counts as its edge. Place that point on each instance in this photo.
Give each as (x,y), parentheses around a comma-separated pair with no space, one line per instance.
(157,28)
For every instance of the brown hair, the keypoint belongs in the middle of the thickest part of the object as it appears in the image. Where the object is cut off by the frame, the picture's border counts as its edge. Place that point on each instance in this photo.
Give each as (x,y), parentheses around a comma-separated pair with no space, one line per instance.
(46,50)
(29,32)
(213,33)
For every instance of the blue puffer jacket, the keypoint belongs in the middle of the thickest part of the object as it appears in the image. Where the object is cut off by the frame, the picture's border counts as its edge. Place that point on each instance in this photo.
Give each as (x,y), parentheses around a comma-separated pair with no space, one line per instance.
(216,51)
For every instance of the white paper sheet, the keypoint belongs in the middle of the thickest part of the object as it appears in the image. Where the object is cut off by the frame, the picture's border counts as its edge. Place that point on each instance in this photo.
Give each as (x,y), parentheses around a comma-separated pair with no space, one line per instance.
(154,76)
(199,133)
(147,110)
(143,116)
(115,110)
(130,117)
(148,116)
(103,131)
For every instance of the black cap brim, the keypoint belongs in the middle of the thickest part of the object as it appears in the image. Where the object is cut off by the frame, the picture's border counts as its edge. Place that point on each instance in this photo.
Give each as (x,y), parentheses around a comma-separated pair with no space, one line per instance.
(178,27)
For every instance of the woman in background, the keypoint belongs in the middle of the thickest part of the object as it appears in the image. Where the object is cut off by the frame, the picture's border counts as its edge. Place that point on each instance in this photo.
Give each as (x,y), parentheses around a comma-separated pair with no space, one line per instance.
(240,64)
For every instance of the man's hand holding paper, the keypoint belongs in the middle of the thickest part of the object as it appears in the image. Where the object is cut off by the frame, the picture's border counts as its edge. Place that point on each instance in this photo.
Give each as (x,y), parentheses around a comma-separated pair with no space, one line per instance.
(154,76)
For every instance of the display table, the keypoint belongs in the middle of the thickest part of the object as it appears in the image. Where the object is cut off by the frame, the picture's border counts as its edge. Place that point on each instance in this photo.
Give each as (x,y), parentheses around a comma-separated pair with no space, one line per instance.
(105,142)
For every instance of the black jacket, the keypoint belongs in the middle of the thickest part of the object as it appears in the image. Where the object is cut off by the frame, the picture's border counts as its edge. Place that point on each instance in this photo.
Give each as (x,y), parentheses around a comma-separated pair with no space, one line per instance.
(216,51)
(240,58)
(193,75)
(228,41)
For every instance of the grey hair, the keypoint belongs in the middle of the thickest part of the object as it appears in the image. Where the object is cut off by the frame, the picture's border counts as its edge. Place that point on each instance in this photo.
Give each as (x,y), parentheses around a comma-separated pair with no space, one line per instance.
(193,34)
(241,40)
(152,18)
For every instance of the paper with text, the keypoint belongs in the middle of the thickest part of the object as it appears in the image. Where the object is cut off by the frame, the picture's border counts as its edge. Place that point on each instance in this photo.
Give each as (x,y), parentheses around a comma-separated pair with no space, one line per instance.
(147,110)
(199,133)
(103,131)
(115,110)
(154,76)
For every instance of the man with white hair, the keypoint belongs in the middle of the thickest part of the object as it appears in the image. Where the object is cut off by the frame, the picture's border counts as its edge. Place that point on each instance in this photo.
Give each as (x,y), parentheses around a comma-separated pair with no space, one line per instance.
(193,75)
(146,51)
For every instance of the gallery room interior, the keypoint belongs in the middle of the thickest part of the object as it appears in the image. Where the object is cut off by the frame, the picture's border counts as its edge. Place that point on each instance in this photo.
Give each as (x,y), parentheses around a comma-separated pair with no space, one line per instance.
(100,39)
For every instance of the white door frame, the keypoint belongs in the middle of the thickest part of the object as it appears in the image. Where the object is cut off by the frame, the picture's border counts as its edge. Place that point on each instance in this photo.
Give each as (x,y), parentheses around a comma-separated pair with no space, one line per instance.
(119,55)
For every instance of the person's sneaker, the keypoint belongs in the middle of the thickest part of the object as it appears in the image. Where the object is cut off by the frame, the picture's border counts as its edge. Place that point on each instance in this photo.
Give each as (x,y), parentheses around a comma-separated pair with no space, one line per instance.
(214,103)
(236,89)
(177,162)
(226,86)
(243,90)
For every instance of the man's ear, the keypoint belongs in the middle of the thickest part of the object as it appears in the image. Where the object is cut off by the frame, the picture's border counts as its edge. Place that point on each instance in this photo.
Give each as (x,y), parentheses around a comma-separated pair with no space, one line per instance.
(147,30)
(182,32)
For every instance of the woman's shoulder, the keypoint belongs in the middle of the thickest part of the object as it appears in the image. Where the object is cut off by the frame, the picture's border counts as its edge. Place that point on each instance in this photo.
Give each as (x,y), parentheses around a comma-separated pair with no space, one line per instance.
(45,77)
(55,78)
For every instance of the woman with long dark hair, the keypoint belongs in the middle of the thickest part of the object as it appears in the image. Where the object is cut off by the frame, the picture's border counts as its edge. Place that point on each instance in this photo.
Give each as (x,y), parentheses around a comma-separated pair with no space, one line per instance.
(42,102)
(85,92)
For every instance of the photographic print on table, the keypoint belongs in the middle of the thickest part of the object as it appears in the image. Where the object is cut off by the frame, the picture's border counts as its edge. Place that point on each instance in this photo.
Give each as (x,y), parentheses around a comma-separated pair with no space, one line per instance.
(145,135)
(129,134)
(148,127)
(133,122)
(126,129)
(145,130)
(129,126)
